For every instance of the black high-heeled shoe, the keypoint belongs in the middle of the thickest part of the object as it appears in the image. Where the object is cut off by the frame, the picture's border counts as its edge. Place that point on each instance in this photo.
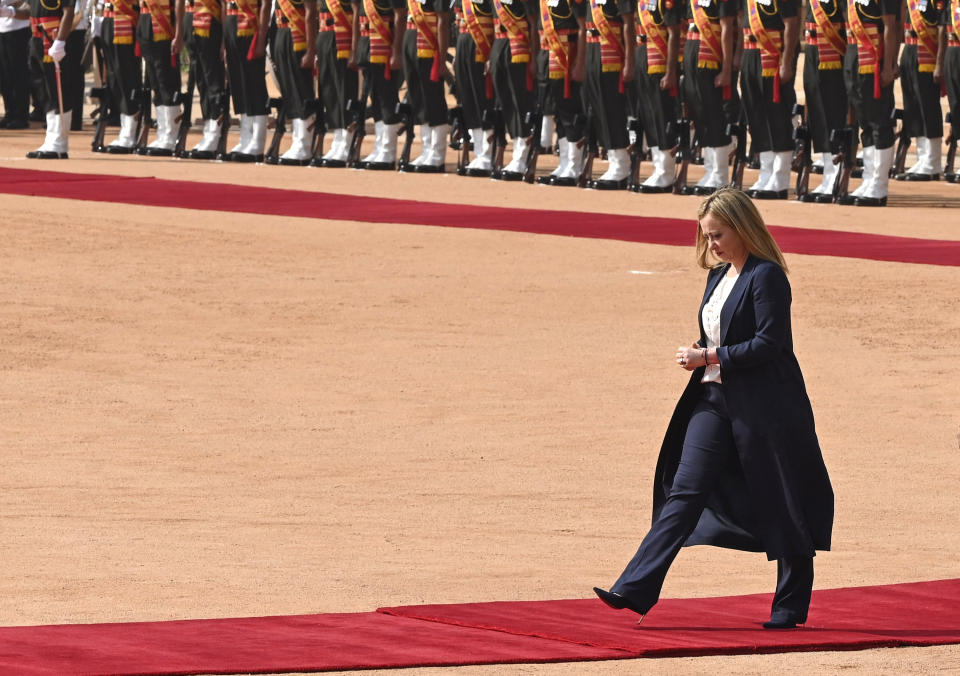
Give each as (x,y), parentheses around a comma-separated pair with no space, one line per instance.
(618,602)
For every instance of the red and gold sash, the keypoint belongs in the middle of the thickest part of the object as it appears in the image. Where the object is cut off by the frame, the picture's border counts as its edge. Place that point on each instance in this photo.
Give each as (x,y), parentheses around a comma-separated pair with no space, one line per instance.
(297,23)
(926,38)
(426,24)
(830,44)
(125,16)
(955,19)
(711,49)
(159,18)
(342,27)
(559,50)
(866,46)
(248,20)
(203,14)
(51,27)
(768,46)
(383,33)
(481,32)
(656,42)
(611,42)
(517,32)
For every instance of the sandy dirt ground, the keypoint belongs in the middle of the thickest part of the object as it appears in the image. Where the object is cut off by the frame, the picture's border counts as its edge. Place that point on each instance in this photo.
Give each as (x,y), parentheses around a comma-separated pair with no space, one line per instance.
(219,415)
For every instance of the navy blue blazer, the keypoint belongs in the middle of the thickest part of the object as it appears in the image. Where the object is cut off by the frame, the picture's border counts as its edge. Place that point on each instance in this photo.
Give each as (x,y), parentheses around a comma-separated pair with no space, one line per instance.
(778,499)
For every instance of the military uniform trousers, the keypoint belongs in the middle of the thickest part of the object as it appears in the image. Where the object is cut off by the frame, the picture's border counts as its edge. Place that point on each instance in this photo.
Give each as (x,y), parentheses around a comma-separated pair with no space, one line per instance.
(208,69)
(567,111)
(44,74)
(471,82)
(296,82)
(124,70)
(770,123)
(14,83)
(513,96)
(248,83)
(383,92)
(610,105)
(921,97)
(872,113)
(337,83)
(426,97)
(164,76)
(710,112)
(655,107)
(952,76)
(826,100)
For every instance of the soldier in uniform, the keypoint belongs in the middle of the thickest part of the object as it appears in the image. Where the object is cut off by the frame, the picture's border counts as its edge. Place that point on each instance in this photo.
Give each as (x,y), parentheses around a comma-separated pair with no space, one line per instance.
(826,97)
(425,69)
(378,29)
(124,69)
(611,43)
(561,25)
(873,40)
(51,23)
(709,84)
(160,38)
(771,33)
(474,84)
(950,68)
(513,66)
(922,115)
(245,28)
(294,54)
(204,32)
(657,78)
(337,84)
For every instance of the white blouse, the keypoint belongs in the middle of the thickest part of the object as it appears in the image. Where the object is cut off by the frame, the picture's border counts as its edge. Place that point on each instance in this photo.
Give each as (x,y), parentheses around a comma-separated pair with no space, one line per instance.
(711,320)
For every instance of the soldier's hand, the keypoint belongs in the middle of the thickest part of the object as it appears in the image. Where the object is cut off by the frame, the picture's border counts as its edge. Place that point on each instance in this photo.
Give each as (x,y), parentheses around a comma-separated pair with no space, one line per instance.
(532,69)
(176,44)
(352,62)
(579,72)
(669,81)
(887,76)
(787,72)
(722,79)
(57,50)
(259,49)
(396,58)
(309,59)
(443,70)
(628,68)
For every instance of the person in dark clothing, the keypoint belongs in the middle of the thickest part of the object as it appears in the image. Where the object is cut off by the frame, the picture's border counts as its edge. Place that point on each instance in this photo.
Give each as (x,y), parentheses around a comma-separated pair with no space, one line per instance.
(740,466)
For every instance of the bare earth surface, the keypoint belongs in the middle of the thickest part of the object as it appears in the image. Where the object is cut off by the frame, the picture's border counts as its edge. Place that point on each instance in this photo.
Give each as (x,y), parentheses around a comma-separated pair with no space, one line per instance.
(220,415)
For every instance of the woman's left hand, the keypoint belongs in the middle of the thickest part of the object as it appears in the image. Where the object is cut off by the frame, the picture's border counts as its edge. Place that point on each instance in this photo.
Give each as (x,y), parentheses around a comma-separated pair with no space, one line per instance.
(691,357)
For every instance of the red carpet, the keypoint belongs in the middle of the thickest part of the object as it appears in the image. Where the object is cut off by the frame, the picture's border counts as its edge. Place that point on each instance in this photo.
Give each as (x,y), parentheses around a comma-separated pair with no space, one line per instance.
(308,204)
(917,614)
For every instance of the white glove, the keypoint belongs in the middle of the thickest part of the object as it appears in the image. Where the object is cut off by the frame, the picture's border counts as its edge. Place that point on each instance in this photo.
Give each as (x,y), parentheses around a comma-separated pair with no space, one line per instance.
(7,12)
(58,50)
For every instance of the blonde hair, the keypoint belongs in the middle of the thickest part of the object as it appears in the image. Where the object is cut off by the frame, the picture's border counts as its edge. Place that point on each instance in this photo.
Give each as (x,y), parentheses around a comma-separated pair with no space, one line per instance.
(735,210)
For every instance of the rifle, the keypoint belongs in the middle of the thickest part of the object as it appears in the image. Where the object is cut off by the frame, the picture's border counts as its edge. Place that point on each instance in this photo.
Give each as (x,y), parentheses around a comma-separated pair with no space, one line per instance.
(494,117)
(844,141)
(741,158)
(903,143)
(948,173)
(273,151)
(635,134)
(357,110)
(102,95)
(534,122)
(405,111)
(589,140)
(319,133)
(186,118)
(224,121)
(144,122)
(801,152)
(459,134)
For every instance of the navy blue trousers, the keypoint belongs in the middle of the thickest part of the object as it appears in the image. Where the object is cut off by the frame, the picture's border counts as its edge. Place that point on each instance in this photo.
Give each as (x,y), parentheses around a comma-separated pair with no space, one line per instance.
(708,448)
